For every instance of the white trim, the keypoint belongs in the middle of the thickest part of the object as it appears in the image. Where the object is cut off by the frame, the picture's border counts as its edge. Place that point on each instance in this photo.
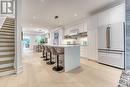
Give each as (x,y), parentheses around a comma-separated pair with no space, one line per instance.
(11,72)
(2,20)
(15,36)
(7,58)
(19,69)
(6,65)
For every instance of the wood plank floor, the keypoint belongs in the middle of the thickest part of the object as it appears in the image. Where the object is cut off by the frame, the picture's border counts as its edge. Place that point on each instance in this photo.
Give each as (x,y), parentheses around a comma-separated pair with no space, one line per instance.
(37,74)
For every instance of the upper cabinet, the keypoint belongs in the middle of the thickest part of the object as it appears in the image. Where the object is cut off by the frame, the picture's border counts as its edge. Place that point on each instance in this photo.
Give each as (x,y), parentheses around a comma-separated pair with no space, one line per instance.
(117,14)
(104,18)
(81,28)
(92,22)
(109,16)
(113,15)
(78,28)
(66,31)
(85,26)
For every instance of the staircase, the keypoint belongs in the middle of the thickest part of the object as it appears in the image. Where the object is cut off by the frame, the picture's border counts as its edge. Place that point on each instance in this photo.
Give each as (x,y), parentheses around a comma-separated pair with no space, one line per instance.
(7,47)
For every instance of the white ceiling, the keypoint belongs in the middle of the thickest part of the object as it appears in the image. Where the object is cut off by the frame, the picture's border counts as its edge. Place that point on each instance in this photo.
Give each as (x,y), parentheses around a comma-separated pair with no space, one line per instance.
(40,13)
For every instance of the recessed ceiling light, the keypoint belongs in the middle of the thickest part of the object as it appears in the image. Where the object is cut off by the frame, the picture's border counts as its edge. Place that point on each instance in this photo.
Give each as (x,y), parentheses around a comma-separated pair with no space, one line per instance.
(40,30)
(75,15)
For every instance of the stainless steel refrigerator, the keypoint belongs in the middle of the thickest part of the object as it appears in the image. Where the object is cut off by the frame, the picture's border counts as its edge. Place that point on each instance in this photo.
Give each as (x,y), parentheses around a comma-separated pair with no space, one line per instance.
(111,44)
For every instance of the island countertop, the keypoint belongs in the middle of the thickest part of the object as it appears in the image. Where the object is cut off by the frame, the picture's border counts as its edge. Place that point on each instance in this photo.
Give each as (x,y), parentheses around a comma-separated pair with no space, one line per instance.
(71,56)
(61,45)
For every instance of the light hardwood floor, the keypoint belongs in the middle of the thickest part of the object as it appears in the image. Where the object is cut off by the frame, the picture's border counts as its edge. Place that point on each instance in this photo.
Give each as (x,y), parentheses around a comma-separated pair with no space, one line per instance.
(37,74)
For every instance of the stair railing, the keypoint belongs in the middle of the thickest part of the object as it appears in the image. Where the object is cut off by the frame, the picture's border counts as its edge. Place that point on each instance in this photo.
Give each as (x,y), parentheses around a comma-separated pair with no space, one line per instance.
(2,19)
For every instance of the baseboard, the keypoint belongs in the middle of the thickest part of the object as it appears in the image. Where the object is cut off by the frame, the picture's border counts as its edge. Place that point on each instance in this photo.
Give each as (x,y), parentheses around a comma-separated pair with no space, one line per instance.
(19,69)
(83,57)
(7,73)
(90,59)
(93,60)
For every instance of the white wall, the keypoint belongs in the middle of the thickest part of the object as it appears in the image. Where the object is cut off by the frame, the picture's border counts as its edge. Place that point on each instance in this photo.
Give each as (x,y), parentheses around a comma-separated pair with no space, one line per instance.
(18,44)
(61,34)
(33,37)
(2,19)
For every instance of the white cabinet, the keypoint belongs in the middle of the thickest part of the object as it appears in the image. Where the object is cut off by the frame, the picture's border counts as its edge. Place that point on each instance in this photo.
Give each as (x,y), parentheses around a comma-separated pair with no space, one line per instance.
(74,30)
(117,39)
(112,58)
(81,28)
(83,51)
(104,18)
(92,23)
(102,57)
(116,59)
(85,26)
(102,37)
(117,14)
(92,52)
(113,15)
(66,31)
(71,30)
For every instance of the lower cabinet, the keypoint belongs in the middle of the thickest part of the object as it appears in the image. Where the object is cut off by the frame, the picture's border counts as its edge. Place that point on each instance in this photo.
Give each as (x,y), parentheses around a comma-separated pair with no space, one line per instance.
(115,59)
(83,51)
(102,57)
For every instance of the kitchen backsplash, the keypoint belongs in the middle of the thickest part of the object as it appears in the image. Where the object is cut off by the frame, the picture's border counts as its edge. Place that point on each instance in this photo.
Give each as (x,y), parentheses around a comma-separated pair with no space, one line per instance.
(81,41)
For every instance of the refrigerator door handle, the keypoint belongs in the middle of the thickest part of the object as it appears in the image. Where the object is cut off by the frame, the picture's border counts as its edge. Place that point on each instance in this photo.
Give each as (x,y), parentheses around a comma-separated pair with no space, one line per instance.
(115,53)
(111,52)
(108,37)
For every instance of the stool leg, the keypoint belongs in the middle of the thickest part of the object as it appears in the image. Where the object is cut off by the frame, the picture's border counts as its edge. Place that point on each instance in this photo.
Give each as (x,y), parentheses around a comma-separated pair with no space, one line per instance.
(57,60)
(57,67)
(50,62)
(43,54)
(46,57)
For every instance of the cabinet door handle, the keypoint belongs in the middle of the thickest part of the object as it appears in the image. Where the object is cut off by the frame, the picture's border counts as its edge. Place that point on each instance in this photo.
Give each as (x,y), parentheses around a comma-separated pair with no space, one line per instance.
(109,52)
(102,51)
(108,37)
(114,53)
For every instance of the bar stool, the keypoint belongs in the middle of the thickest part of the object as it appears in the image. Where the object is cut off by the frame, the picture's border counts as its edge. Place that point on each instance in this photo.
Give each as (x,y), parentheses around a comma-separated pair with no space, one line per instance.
(43,51)
(46,59)
(48,49)
(55,52)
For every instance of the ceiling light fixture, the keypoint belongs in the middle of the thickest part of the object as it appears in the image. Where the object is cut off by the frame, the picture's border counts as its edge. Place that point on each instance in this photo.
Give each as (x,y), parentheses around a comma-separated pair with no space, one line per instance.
(56,17)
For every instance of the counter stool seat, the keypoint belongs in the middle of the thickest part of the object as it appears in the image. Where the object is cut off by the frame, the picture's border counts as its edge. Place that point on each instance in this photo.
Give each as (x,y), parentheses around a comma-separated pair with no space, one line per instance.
(48,49)
(43,51)
(55,52)
(46,59)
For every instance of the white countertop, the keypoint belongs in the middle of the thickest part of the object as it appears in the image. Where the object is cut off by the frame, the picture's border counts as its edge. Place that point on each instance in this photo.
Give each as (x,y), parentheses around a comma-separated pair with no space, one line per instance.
(71,56)
(61,45)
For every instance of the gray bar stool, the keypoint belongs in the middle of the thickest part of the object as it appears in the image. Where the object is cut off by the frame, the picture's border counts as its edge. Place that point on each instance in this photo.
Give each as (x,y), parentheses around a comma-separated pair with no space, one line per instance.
(55,52)
(48,49)
(43,51)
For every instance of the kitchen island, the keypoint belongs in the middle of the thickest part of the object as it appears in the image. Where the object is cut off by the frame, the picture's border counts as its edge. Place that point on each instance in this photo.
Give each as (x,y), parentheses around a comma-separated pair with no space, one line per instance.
(71,56)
